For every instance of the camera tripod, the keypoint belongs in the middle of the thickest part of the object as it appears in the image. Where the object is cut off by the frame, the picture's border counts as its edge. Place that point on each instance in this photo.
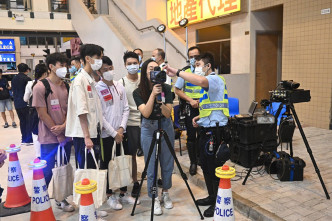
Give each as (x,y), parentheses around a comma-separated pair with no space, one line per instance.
(156,141)
(290,106)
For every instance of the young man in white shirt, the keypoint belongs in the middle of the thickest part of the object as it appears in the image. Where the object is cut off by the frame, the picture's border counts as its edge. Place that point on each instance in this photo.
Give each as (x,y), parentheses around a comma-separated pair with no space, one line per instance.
(115,109)
(131,82)
(84,117)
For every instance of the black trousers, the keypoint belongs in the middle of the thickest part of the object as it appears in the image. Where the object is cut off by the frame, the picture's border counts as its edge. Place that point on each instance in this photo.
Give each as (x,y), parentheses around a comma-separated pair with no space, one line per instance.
(108,143)
(23,115)
(192,134)
(79,145)
(208,164)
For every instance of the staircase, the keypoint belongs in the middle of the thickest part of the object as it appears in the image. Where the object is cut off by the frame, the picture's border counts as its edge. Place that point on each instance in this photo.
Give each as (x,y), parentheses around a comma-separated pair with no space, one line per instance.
(121,30)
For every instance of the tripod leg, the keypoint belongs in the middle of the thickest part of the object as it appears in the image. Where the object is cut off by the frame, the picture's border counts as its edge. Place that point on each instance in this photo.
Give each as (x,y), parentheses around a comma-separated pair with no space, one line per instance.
(183,175)
(290,148)
(144,171)
(309,150)
(245,179)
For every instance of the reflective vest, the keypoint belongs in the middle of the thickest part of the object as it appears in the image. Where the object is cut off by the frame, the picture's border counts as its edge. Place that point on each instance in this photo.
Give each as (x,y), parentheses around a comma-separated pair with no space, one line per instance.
(191,90)
(73,76)
(206,106)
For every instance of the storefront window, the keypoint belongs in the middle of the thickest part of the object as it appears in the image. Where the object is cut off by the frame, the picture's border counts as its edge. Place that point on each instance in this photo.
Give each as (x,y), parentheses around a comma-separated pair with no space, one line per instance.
(59,5)
(23,5)
(216,40)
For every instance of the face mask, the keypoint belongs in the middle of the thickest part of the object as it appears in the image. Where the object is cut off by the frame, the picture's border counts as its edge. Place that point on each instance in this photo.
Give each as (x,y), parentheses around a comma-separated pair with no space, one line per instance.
(192,61)
(61,72)
(199,71)
(82,66)
(132,69)
(139,58)
(97,64)
(72,69)
(153,58)
(108,75)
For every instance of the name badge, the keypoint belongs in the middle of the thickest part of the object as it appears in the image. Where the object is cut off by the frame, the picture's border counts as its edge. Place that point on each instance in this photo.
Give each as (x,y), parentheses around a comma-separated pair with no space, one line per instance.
(55,105)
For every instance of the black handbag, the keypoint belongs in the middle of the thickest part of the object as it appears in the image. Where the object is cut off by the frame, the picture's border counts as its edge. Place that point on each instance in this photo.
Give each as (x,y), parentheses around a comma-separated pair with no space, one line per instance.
(4,94)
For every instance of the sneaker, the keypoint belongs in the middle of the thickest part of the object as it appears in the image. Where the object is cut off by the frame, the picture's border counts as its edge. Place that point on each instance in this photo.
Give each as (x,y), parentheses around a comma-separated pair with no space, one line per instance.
(14,125)
(128,199)
(157,208)
(134,192)
(65,206)
(166,200)
(6,125)
(114,203)
(101,213)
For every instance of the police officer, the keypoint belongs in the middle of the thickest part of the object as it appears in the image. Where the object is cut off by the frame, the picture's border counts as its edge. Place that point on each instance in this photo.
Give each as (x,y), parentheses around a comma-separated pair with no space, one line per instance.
(189,99)
(213,110)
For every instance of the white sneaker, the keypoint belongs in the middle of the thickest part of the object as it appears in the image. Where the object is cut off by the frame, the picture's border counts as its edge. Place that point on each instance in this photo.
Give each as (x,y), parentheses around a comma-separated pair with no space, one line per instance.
(128,199)
(157,208)
(114,203)
(101,213)
(166,200)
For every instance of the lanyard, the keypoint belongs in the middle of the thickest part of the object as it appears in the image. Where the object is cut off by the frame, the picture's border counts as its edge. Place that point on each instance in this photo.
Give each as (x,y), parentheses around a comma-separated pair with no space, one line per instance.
(109,89)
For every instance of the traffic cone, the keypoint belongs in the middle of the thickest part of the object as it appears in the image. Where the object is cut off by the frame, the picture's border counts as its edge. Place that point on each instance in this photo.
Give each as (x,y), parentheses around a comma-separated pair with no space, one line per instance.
(224,209)
(87,207)
(41,209)
(17,194)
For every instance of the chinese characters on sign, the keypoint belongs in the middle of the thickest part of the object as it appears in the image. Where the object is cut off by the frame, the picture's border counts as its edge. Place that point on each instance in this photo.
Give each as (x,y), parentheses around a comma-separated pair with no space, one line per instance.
(198,10)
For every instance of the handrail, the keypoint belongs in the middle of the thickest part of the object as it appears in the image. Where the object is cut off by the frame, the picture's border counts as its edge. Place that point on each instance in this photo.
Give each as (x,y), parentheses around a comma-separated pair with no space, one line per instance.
(148,28)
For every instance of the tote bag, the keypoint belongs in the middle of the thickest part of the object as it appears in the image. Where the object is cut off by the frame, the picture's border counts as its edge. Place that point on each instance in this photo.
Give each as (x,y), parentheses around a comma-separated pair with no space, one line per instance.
(99,196)
(119,169)
(62,178)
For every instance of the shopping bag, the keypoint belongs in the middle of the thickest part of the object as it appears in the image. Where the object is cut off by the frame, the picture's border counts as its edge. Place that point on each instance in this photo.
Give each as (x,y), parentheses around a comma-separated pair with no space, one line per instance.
(119,169)
(62,178)
(100,176)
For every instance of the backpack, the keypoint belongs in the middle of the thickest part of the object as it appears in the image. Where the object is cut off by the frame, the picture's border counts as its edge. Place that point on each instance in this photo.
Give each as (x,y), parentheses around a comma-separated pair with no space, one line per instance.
(48,89)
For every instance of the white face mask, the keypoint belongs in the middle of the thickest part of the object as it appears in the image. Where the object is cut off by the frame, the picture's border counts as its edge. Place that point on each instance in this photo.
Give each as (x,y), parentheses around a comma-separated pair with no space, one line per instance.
(199,71)
(132,69)
(108,75)
(61,72)
(97,64)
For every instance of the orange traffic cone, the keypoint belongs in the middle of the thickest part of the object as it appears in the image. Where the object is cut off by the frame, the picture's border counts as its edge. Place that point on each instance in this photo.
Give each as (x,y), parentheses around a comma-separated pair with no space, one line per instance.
(41,209)
(17,194)
(224,209)
(87,207)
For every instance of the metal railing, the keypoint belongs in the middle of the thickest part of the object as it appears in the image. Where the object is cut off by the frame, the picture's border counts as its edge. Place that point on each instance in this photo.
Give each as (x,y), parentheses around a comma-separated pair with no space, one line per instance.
(59,6)
(24,5)
(149,28)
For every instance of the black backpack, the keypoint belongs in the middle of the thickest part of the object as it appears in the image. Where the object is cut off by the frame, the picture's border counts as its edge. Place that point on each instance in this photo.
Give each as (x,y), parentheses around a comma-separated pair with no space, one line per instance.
(48,89)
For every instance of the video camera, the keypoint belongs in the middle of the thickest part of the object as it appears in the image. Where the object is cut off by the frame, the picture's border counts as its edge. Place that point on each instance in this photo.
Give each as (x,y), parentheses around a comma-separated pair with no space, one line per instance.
(288,91)
(157,76)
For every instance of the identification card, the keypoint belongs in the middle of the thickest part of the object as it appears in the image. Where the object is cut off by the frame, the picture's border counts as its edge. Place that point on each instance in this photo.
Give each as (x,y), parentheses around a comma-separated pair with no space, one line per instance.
(55,105)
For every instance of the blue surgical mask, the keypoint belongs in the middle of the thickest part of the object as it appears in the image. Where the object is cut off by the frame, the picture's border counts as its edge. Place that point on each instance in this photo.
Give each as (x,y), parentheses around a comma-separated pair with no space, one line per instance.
(192,61)
(139,58)
(132,69)
(72,69)
(153,58)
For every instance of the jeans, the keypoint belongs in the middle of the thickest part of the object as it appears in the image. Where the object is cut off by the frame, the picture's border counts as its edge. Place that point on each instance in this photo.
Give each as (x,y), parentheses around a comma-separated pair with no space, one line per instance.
(48,152)
(23,115)
(79,145)
(165,157)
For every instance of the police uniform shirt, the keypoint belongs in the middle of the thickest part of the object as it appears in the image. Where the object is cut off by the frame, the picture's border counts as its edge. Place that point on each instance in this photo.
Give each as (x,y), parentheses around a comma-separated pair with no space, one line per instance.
(179,84)
(216,93)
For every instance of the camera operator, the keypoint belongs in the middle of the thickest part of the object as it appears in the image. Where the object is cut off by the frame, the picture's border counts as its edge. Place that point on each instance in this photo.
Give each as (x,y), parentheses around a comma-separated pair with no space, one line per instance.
(189,99)
(213,109)
(145,97)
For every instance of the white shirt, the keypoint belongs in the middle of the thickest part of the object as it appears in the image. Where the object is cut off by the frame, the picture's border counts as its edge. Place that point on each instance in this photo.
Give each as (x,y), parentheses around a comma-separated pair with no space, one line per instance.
(28,91)
(134,115)
(83,99)
(114,107)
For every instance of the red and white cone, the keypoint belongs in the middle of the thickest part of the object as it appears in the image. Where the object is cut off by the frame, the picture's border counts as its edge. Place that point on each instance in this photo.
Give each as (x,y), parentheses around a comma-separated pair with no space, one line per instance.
(17,194)
(87,207)
(224,209)
(41,209)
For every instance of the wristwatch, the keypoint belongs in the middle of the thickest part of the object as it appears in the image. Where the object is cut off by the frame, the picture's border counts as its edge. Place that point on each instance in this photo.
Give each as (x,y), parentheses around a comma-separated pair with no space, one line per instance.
(178,72)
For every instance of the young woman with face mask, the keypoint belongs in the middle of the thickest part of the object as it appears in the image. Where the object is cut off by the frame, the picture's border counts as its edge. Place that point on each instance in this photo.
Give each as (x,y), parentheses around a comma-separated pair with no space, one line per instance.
(145,98)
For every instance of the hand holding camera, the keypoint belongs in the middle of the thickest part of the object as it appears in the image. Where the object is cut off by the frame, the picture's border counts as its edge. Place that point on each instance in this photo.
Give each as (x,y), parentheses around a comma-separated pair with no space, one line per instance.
(157,89)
